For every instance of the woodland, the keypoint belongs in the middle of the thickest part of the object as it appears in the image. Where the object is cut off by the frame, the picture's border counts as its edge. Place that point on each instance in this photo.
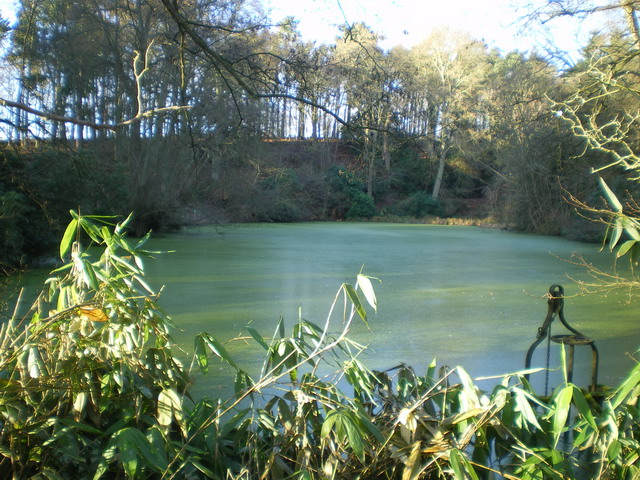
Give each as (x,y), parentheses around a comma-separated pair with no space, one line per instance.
(123,116)
(204,112)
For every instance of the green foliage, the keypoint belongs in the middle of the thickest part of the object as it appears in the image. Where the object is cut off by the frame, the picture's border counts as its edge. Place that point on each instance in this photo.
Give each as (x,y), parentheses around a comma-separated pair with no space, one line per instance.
(37,189)
(88,369)
(342,180)
(91,388)
(623,232)
(362,206)
(418,205)
(280,198)
(346,197)
(13,208)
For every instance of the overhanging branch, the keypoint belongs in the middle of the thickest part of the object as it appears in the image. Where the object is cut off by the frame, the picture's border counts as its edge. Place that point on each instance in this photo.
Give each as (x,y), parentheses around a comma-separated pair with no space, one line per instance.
(85,123)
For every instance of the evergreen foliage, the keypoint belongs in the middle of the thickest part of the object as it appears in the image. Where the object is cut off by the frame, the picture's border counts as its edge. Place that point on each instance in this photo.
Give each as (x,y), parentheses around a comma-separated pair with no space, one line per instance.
(362,206)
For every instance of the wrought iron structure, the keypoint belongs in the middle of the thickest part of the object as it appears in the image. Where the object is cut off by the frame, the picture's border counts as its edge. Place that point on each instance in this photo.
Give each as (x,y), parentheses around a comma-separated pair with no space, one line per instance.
(555,303)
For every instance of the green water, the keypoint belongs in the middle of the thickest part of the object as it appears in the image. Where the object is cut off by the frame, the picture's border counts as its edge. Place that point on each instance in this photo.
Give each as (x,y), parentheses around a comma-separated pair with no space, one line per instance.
(464,295)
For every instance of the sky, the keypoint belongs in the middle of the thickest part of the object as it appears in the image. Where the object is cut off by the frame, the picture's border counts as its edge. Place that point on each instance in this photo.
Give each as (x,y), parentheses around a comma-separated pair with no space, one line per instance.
(407,22)
(7,8)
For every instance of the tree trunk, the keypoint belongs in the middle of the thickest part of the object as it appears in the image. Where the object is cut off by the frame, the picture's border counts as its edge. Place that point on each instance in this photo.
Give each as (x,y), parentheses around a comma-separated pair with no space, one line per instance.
(369,152)
(386,156)
(632,20)
(440,174)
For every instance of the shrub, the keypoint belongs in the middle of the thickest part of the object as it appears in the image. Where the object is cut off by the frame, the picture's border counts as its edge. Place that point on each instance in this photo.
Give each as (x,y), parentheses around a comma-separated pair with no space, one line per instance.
(343,188)
(92,376)
(419,204)
(13,208)
(37,189)
(362,206)
(278,197)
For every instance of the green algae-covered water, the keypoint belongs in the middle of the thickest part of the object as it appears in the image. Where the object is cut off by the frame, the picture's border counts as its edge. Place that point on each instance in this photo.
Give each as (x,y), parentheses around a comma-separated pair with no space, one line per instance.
(463,295)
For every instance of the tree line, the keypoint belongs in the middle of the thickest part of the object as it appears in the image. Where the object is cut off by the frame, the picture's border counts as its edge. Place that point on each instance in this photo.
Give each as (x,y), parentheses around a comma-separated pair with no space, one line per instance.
(177,111)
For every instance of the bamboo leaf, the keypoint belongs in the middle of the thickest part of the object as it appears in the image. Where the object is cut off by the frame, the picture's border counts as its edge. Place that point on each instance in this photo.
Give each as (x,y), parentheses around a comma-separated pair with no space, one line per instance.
(329,422)
(103,466)
(67,238)
(632,229)
(562,406)
(470,470)
(94,314)
(563,363)
(624,248)
(611,197)
(367,289)
(280,327)
(150,453)
(142,241)
(355,435)
(202,468)
(83,427)
(91,278)
(456,464)
(614,450)
(462,416)
(524,407)
(165,409)
(201,354)
(144,284)
(583,407)
(33,362)
(431,370)
(617,233)
(412,465)
(626,386)
(128,454)
(217,348)
(80,402)
(370,426)
(90,229)
(469,388)
(176,405)
(357,304)
(462,468)
(257,337)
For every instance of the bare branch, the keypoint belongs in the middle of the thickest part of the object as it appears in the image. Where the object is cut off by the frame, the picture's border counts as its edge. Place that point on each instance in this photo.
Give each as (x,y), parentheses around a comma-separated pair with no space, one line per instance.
(225,67)
(86,123)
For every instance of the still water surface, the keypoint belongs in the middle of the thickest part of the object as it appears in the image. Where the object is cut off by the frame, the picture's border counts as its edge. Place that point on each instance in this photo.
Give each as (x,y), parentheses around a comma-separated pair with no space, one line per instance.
(463,295)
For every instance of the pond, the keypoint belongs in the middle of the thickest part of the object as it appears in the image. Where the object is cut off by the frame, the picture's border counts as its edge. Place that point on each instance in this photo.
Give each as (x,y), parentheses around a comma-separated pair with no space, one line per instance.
(463,295)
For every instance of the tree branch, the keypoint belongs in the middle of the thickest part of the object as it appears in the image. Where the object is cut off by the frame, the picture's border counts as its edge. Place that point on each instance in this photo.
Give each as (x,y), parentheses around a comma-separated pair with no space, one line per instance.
(86,123)
(223,65)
